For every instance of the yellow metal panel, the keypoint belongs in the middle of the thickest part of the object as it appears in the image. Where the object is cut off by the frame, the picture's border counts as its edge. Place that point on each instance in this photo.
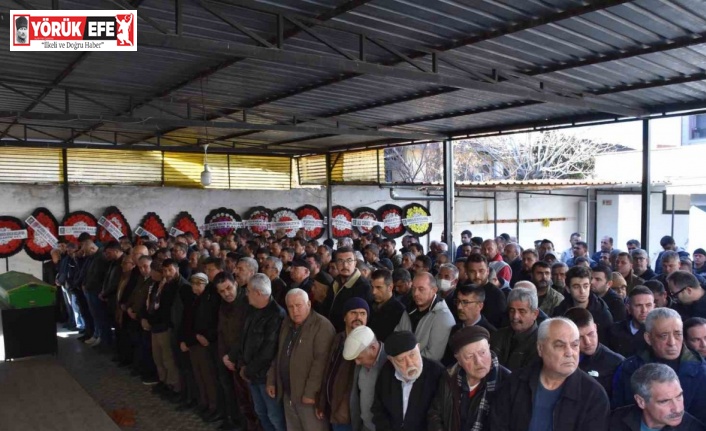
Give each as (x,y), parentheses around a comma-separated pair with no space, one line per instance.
(184,170)
(92,166)
(260,172)
(30,165)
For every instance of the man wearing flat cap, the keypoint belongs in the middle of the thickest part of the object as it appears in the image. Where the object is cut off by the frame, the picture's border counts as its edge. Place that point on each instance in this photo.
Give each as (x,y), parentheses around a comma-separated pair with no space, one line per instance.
(299,272)
(368,353)
(405,386)
(322,293)
(467,390)
(333,400)
(21,27)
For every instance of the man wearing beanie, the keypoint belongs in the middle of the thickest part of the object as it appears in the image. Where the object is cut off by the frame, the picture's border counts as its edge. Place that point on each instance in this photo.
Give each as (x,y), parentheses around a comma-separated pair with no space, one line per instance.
(322,293)
(369,355)
(406,385)
(468,389)
(333,400)
(21,26)
(700,262)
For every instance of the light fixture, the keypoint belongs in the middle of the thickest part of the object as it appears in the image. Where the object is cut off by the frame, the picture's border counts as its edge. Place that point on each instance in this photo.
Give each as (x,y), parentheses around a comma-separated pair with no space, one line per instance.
(206,174)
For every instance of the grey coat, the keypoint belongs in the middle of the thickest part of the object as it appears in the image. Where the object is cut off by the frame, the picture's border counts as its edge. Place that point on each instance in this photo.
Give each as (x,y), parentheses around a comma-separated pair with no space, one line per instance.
(432,331)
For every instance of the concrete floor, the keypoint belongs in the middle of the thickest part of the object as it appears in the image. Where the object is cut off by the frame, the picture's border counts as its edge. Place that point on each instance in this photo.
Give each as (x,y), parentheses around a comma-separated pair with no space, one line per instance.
(77,390)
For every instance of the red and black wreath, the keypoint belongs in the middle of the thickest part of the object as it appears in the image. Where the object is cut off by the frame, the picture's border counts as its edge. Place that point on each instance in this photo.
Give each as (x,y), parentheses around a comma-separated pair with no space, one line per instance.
(312,221)
(286,215)
(185,223)
(79,218)
(37,247)
(10,247)
(113,215)
(365,213)
(260,214)
(391,216)
(222,214)
(153,224)
(341,221)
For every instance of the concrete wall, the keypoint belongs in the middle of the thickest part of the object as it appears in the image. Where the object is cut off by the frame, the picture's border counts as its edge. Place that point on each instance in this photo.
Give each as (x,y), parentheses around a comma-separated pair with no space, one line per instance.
(621,220)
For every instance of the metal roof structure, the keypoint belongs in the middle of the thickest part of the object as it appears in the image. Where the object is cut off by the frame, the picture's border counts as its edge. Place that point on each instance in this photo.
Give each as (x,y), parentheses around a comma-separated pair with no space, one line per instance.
(312,77)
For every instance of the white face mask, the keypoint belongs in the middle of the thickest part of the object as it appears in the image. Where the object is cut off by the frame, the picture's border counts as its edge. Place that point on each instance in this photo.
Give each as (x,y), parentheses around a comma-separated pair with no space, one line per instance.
(444,285)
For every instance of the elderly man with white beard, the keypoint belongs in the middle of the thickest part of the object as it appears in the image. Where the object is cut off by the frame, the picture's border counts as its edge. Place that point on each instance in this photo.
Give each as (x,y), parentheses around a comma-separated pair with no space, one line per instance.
(405,386)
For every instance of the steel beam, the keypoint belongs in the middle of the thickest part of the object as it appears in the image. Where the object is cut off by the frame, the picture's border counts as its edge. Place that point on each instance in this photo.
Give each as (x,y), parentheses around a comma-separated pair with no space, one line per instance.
(37,143)
(646,187)
(159,125)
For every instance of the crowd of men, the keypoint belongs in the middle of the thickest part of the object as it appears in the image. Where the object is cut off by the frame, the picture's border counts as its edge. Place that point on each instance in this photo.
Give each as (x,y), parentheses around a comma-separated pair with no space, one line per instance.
(276,333)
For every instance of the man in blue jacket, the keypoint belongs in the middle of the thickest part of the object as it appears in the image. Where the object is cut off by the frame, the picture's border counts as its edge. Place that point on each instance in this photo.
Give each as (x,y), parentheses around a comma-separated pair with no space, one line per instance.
(664,334)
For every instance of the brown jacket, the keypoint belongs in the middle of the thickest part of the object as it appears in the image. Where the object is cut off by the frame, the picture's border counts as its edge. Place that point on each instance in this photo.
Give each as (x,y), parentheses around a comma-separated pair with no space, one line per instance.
(308,357)
(334,397)
(138,296)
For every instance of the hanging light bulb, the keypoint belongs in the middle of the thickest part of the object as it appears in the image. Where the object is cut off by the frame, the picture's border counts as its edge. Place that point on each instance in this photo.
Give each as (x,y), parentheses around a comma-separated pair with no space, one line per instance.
(206,174)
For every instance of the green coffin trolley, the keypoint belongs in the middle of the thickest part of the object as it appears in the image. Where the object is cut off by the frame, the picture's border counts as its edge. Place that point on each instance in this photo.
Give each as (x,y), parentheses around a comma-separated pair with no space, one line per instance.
(28,315)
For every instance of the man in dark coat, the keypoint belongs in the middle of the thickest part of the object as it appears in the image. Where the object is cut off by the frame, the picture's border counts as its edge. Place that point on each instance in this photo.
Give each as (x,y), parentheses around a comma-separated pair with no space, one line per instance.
(257,348)
(406,386)
(660,404)
(628,337)
(578,281)
(469,303)
(601,282)
(495,304)
(596,360)
(552,394)
(467,391)
(516,345)
(664,334)
(691,296)
(387,310)
(348,284)
(198,338)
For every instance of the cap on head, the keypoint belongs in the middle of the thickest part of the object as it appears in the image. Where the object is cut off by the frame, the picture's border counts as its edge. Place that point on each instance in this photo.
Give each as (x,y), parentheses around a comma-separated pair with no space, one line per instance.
(400,342)
(355,303)
(199,276)
(468,335)
(358,340)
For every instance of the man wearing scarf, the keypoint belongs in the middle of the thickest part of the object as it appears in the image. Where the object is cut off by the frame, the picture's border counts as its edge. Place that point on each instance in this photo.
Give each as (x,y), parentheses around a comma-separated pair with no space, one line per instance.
(463,400)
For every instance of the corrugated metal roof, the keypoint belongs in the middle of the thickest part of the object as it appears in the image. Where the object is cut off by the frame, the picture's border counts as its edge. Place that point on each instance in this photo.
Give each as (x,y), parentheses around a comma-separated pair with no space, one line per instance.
(649,54)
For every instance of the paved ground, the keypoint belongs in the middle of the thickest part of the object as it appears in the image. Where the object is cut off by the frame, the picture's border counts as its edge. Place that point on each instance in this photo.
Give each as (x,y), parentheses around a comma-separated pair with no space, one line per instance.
(113,388)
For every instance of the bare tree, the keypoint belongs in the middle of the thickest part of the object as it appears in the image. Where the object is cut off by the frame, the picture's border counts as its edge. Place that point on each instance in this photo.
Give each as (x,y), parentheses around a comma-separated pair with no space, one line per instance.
(546,155)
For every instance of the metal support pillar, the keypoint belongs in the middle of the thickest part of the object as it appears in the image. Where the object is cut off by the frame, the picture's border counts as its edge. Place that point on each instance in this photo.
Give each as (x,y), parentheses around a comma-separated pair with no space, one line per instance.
(329,197)
(646,187)
(517,216)
(65,180)
(673,202)
(449,194)
(495,215)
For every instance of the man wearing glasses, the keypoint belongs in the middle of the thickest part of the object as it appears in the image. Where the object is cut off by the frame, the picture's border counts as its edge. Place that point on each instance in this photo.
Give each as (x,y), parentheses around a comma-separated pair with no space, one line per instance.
(348,284)
(469,303)
(685,288)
